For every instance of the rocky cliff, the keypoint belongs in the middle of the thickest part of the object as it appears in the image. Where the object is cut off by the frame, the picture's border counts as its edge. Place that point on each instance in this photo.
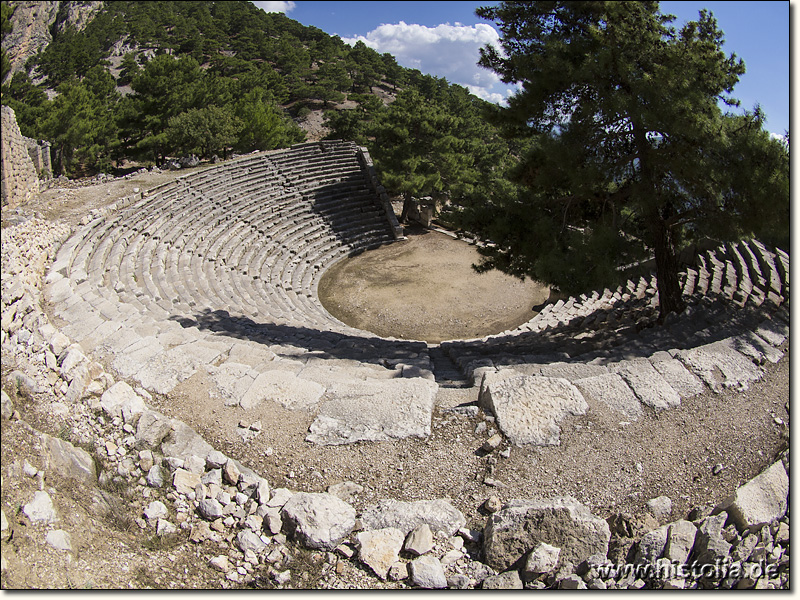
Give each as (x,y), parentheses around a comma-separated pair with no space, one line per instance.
(34,23)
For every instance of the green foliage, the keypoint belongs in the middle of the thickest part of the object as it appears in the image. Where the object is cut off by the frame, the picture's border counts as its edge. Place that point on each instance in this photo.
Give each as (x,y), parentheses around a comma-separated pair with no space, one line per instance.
(6,12)
(204,131)
(628,149)
(80,125)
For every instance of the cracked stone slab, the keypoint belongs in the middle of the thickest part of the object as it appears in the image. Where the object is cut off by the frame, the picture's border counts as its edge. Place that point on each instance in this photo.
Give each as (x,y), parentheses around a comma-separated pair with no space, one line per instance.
(720,366)
(529,408)
(774,331)
(611,390)
(752,345)
(648,384)
(679,377)
(283,387)
(572,371)
(377,410)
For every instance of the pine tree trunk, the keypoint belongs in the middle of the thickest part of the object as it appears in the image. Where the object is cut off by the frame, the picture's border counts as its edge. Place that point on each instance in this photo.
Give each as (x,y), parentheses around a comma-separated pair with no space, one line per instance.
(670,297)
(408,204)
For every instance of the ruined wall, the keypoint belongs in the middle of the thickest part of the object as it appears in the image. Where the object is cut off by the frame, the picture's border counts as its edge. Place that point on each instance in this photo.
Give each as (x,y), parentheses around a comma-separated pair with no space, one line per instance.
(23,161)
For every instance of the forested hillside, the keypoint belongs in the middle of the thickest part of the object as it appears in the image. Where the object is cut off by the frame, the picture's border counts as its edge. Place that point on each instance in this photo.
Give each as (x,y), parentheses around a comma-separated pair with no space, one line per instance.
(144,81)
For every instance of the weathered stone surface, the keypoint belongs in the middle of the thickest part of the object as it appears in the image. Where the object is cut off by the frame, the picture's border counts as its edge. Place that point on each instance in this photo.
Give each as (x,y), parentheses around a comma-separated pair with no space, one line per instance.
(761,500)
(210,509)
(379,549)
(529,408)
(720,366)
(427,572)
(661,507)
(319,520)
(155,477)
(283,387)
(680,540)
(612,391)
(542,559)
(376,410)
(571,582)
(652,545)
(524,524)
(346,490)
(151,429)
(420,540)
(41,509)
(709,543)
(439,515)
(121,395)
(247,540)
(6,405)
(509,580)
(648,384)
(185,481)
(219,563)
(59,539)
(183,442)
(156,510)
(24,383)
(69,461)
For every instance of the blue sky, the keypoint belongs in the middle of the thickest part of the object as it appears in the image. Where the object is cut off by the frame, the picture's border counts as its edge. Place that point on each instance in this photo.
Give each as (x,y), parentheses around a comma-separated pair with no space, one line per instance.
(443,38)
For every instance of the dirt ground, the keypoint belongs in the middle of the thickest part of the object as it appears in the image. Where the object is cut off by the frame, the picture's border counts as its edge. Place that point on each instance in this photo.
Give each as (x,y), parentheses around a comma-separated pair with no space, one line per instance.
(424,288)
(608,465)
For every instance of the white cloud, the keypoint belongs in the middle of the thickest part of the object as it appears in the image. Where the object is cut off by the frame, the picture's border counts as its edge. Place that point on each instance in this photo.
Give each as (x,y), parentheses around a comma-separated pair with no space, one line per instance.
(280,7)
(449,51)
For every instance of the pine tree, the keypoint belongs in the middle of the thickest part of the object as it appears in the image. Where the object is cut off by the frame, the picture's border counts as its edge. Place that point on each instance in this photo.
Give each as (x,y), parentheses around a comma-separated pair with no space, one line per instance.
(629,148)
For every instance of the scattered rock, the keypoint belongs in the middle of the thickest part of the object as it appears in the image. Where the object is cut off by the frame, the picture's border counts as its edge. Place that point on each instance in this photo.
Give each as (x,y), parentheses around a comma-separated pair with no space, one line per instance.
(427,572)
(661,507)
(420,540)
(761,500)
(541,560)
(59,539)
(319,520)
(379,549)
(155,510)
(509,580)
(41,509)
(440,515)
(680,541)
(561,522)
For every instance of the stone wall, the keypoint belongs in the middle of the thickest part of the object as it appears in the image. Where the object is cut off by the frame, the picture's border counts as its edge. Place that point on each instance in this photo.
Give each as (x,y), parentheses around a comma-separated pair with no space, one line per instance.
(24,160)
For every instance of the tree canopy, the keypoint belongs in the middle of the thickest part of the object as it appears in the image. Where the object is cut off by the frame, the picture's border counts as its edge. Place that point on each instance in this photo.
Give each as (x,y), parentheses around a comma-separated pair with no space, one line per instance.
(629,152)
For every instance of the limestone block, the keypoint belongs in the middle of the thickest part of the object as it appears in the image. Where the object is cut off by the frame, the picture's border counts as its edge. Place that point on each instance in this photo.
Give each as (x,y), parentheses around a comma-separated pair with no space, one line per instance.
(761,500)
(528,408)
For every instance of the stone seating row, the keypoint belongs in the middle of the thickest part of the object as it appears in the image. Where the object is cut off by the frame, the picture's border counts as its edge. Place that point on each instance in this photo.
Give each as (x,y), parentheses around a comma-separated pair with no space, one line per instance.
(727,299)
(183,249)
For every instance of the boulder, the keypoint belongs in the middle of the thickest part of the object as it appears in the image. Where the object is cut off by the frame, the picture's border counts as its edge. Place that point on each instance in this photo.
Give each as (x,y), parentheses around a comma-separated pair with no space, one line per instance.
(661,507)
(155,510)
(59,539)
(379,549)
(183,442)
(319,520)
(709,543)
(247,540)
(522,525)
(185,481)
(759,501)
(439,515)
(652,545)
